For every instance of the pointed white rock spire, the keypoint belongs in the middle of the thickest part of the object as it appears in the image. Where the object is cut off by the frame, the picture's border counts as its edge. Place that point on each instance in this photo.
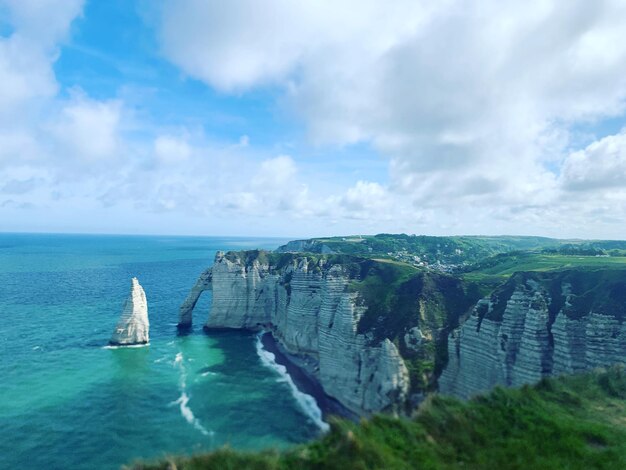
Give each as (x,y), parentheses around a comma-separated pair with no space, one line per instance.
(133,326)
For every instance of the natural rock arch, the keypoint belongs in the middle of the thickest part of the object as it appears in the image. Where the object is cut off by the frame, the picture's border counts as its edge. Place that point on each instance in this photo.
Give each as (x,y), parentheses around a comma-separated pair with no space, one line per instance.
(203,284)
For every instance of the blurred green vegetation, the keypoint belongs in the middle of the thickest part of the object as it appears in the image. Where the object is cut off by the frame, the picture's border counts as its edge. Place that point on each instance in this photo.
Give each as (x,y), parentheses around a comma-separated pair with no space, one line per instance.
(574,422)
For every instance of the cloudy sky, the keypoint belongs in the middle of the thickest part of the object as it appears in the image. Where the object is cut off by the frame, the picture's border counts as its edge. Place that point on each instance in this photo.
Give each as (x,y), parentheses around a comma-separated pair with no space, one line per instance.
(316,117)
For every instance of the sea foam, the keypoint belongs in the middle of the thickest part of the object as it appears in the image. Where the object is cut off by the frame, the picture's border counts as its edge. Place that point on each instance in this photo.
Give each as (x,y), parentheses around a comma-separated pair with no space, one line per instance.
(307,403)
(183,400)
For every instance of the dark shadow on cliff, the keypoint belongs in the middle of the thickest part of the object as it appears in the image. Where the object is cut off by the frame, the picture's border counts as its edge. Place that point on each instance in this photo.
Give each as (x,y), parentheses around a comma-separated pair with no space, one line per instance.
(184,330)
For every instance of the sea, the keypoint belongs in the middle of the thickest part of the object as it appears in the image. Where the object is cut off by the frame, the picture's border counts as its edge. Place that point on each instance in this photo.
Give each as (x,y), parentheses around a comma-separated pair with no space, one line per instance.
(67,401)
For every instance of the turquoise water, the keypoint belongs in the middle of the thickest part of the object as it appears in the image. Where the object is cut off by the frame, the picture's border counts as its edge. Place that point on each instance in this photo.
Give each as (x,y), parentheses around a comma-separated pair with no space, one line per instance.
(68,402)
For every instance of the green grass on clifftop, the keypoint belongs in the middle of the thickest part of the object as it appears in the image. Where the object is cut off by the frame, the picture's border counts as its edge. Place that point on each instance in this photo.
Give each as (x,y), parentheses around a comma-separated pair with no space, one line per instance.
(493,271)
(576,422)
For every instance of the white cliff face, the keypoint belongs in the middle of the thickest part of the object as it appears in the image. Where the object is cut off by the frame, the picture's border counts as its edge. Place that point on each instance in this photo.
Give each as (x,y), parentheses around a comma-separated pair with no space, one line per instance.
(299,301)
(474,363)
(309,309)
(133,326)
(525,345)
(243,295)
(595,340)
(366,378)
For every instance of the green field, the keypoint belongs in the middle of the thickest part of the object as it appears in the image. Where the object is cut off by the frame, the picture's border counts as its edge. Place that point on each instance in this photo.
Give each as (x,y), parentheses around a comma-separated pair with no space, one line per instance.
(459,253)
(499,268)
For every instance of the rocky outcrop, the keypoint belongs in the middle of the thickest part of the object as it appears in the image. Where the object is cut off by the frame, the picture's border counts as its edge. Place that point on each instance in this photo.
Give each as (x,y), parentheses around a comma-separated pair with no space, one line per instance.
(414,338)
(133,327)
(311,310)
(538,324)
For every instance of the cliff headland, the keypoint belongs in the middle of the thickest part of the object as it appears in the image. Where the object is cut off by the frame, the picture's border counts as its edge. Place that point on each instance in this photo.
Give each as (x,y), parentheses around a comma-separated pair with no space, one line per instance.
(381,322)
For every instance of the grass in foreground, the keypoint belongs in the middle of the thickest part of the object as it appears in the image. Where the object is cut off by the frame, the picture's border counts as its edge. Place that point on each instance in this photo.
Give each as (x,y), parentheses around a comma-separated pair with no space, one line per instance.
(576,422)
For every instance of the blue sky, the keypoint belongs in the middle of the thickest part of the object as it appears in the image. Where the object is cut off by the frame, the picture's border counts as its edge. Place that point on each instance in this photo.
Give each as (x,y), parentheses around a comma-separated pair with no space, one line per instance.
(313,118)
(113,51)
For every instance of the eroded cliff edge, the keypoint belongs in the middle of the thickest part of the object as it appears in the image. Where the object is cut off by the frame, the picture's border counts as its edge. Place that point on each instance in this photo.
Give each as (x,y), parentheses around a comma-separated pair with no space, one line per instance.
(371,329)
(539,324)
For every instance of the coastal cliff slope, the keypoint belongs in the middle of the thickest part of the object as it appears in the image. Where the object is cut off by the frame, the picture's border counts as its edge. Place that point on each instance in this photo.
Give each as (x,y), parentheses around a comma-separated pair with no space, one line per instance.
(380,334)
(538,324)
(336,311)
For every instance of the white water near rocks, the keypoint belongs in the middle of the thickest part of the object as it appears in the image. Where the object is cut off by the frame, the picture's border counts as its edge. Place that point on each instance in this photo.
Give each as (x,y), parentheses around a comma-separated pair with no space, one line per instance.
(305,401)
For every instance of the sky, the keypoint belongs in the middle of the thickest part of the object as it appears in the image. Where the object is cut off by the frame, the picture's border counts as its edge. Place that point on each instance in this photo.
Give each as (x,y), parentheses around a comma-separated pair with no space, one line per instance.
(313,118)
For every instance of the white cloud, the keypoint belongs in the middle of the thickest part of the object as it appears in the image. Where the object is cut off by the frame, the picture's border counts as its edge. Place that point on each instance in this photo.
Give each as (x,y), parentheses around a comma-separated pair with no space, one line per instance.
(274,187)
(366,199)
(88,129)
(20,186)
(28,91)
(245,43)
(44,138)
(25,73)
(17,146)
(45,21)
(170,149)
(600,166)
(27,55)
(473,103)
(275,173)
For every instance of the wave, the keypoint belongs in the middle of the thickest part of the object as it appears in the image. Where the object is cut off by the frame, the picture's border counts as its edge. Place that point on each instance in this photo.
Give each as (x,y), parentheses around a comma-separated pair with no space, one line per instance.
(183,400)
(186,413)
(307,403)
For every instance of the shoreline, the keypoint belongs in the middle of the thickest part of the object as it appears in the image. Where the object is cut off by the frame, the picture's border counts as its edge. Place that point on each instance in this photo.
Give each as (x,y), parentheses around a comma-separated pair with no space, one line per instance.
(305,380)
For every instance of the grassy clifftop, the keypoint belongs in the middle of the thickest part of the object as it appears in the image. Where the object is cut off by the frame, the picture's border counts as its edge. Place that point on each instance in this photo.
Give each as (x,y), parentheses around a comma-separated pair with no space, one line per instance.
(576,422)
(497,269)
(429,249)
(576,292)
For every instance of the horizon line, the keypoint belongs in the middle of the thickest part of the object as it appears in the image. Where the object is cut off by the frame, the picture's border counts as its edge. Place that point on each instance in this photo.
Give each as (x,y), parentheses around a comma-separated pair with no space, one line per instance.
(293,238)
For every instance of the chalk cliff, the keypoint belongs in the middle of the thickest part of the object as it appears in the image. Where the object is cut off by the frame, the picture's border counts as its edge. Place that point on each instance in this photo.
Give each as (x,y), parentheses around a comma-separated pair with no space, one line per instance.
(377,334)
(133,326)
(535,325)
(309,306)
